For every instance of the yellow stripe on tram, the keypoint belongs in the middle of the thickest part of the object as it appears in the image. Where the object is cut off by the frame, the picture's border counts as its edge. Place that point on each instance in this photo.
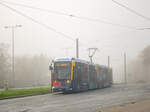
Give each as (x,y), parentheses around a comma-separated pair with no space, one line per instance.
(96,68)
(73,65)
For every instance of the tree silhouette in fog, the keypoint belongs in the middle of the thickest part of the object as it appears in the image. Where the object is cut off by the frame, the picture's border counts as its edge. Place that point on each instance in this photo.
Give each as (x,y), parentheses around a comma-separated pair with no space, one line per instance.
(4,63)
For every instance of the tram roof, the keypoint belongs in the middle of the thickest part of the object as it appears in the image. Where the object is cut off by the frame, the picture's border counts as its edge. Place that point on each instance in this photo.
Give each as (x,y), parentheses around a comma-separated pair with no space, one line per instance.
(70,59)
(77,60)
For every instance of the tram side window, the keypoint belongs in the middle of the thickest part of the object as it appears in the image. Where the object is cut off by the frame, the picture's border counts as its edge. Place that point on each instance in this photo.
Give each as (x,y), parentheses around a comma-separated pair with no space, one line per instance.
(109,73)
(93,74)
(84,73)
(77,72)
(98,75)
(90,73)
(103,74)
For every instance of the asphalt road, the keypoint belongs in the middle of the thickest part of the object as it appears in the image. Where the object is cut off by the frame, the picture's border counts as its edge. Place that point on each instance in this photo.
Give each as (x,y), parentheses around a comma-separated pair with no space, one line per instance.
(89,101)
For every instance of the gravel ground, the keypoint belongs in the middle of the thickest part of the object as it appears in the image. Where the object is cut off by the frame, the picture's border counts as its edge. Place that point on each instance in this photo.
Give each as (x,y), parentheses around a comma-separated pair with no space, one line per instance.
(89,101)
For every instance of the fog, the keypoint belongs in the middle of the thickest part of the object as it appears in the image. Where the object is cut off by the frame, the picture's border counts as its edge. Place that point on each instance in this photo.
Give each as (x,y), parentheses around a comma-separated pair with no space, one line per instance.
(139,69)
(112,40)
(29,71)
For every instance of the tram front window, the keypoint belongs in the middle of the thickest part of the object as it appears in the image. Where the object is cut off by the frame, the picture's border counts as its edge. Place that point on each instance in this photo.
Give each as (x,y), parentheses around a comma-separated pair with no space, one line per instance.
(62,71)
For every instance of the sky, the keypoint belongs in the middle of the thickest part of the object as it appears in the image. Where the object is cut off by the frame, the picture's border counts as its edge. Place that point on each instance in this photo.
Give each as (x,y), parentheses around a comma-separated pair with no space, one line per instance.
(112,40)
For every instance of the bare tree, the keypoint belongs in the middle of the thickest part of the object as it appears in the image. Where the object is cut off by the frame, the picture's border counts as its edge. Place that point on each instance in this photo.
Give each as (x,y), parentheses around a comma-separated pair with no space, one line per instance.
(4,64)
(145,57)
(140,67)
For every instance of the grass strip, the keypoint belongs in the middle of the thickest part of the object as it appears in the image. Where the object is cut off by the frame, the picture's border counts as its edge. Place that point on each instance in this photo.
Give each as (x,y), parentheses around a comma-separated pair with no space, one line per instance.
(24,92)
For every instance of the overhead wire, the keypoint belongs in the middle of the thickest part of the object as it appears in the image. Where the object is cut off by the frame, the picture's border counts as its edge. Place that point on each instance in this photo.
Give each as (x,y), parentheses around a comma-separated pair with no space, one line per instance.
(106,22)
(37,8)
(73,15)
(131,10)
(145,29)
(38,22)
(60,13)
(52,29)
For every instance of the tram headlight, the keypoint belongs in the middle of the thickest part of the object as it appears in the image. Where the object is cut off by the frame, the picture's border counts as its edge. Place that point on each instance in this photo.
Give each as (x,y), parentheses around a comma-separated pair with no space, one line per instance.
(68,81)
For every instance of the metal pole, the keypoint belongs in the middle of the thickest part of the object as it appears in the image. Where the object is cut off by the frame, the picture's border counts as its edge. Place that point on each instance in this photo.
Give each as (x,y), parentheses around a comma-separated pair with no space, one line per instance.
(13,65)
(77,48)
(108,62)
(51,80)
(13,47)
(125,72)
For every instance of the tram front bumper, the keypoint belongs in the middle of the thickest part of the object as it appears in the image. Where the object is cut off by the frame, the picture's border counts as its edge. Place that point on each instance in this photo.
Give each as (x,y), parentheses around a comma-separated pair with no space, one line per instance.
(62,88)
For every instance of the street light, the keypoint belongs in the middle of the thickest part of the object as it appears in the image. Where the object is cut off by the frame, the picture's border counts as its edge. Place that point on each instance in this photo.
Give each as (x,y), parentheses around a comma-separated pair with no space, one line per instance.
(13,66)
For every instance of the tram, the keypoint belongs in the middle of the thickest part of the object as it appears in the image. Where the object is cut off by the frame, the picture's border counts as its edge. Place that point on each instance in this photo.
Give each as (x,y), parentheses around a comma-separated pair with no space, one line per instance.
(74,75)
